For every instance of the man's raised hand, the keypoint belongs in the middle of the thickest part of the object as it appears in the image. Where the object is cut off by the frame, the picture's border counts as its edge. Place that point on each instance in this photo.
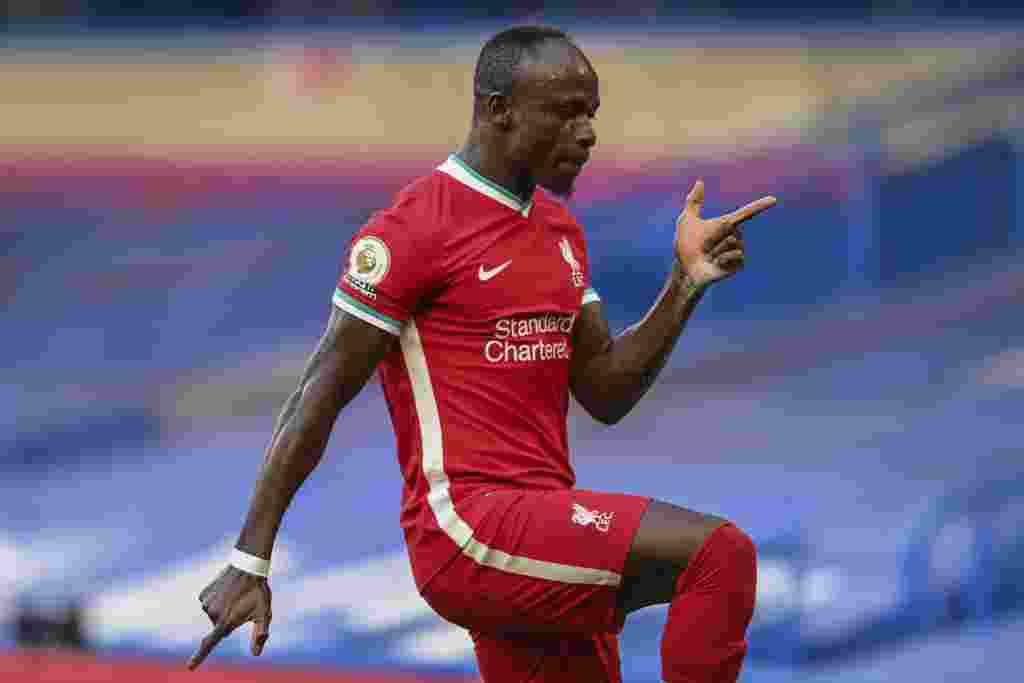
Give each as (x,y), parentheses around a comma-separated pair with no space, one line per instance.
(234,598)
(711,249)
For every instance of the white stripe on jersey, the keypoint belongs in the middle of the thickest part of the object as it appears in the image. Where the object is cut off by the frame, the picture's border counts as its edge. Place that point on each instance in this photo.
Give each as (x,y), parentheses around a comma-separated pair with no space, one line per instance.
(440,497)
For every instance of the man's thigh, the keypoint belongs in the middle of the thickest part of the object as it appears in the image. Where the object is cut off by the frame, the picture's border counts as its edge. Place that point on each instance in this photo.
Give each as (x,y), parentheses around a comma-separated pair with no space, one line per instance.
(547,658)
(539,562)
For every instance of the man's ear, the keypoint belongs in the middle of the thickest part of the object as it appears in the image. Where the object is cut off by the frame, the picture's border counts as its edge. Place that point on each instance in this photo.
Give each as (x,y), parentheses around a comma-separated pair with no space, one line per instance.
(499,110)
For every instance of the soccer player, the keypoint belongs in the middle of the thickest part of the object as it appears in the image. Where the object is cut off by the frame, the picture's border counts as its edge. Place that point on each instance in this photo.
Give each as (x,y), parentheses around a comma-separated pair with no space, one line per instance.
(472,296)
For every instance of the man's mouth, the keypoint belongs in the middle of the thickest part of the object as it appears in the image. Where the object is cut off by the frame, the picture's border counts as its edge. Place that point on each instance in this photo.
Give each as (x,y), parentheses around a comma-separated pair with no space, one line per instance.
(575,163)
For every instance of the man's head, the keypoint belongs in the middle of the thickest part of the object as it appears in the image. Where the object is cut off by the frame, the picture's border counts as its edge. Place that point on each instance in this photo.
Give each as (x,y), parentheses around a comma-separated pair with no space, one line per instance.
(536,94)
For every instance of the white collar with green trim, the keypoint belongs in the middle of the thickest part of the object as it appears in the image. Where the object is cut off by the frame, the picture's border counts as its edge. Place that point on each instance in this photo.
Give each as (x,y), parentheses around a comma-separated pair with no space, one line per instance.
(458,169)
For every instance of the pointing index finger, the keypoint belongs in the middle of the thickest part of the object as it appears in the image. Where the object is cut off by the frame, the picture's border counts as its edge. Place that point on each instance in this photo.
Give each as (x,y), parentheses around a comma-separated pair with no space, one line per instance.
(695,199)
(218,634)
(750,210)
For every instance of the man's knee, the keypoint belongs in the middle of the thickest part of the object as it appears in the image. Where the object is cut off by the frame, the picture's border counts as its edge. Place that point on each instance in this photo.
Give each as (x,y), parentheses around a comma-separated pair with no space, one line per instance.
(737,546)
(726,563)
(705,638)
(667,542)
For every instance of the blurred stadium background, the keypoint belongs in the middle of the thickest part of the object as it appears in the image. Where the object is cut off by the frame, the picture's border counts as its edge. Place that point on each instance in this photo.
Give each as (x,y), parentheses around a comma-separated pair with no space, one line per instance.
(178,182)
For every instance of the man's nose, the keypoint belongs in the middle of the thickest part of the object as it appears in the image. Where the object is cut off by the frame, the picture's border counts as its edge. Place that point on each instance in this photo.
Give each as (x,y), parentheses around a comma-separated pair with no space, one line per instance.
(585,134)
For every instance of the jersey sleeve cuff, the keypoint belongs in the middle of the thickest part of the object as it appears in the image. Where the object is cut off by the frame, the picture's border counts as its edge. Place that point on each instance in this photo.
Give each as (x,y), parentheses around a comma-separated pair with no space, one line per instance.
(590,295)
(353,306)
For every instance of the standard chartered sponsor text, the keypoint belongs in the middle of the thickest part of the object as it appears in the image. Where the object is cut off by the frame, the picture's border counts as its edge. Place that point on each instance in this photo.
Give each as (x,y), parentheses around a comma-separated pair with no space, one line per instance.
(526,327)
(502,348)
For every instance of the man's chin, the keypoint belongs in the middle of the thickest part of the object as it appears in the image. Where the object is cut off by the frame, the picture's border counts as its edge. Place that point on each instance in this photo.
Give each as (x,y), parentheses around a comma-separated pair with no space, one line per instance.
(559,186)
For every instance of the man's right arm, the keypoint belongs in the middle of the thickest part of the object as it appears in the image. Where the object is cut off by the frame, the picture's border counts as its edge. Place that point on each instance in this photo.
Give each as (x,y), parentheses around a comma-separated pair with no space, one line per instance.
(346,356)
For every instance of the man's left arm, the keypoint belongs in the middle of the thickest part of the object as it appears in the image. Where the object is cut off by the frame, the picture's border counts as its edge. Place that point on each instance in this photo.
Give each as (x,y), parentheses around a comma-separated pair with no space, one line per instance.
(610,375)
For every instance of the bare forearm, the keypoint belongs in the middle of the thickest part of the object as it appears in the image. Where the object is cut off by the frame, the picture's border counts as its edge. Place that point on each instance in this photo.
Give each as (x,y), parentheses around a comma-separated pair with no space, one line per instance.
(617,377)
(334,375)
(295,451)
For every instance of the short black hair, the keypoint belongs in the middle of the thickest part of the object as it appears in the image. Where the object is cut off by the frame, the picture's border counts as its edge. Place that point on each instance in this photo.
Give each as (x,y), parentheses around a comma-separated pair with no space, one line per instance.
(501,56)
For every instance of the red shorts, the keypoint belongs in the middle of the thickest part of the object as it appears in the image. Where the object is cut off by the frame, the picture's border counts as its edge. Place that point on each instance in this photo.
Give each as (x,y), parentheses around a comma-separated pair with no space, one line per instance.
(537,584)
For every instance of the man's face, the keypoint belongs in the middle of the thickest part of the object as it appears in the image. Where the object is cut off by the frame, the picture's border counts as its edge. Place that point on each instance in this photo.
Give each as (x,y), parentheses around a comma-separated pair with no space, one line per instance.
(555,100)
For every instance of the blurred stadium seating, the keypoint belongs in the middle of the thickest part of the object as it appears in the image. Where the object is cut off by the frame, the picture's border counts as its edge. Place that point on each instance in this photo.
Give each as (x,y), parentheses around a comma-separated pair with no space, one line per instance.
(175,202)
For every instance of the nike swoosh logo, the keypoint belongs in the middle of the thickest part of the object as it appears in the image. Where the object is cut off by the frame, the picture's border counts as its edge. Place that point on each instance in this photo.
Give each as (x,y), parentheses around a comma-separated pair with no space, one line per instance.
(486,275)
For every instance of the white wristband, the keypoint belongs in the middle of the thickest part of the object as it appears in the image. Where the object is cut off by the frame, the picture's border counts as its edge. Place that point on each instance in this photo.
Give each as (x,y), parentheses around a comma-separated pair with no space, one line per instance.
(249,563)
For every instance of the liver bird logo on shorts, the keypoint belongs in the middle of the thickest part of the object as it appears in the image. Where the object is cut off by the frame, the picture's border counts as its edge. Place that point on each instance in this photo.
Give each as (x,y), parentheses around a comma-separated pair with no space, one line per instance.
(584,517)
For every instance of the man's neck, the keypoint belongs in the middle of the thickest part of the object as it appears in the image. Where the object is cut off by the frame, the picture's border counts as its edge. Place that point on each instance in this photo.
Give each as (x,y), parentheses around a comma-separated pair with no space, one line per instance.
(487,162)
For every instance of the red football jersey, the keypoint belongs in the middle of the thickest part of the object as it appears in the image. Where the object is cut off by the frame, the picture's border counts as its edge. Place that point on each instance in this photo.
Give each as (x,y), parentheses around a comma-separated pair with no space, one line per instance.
(482,291)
